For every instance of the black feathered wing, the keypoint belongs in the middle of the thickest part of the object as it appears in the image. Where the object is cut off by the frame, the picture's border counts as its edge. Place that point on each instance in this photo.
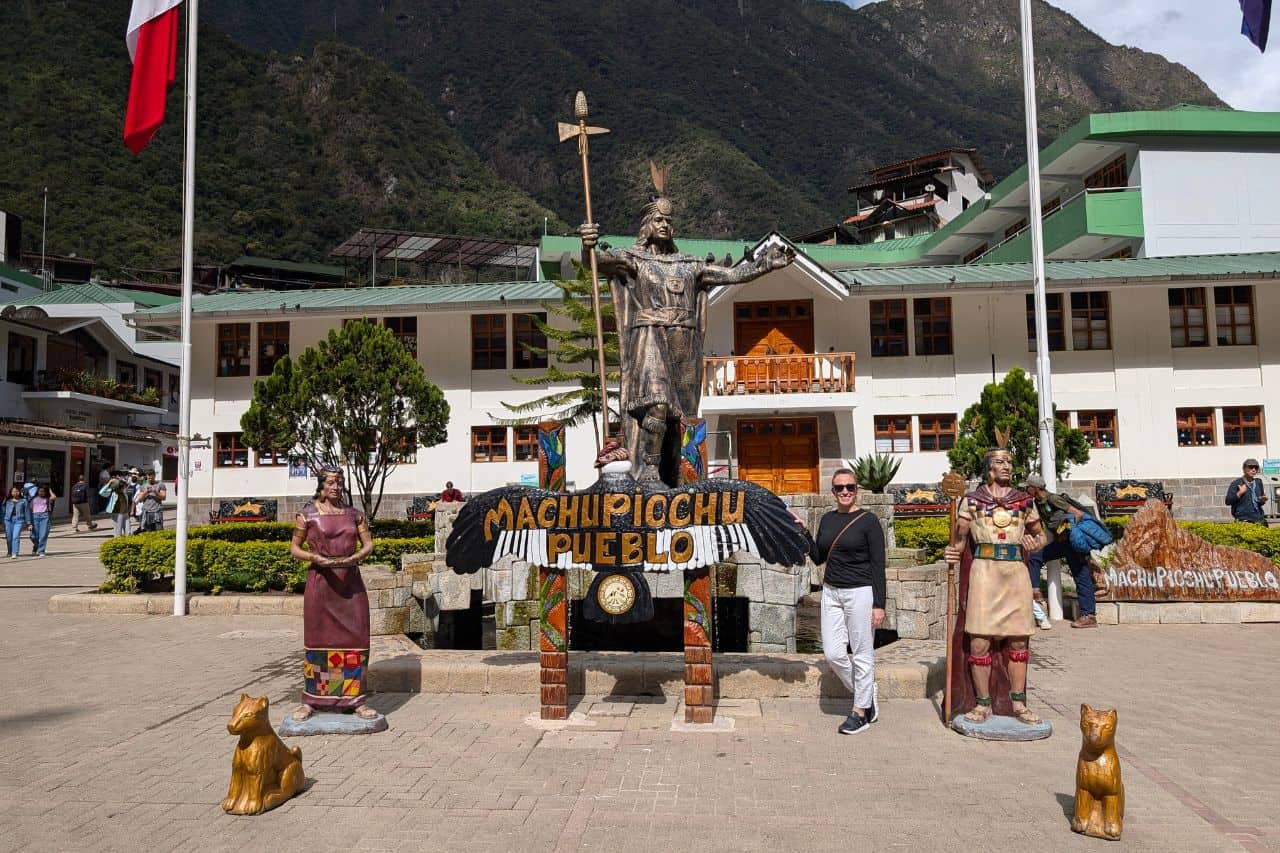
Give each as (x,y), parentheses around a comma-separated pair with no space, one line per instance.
(772,532)
(468,550)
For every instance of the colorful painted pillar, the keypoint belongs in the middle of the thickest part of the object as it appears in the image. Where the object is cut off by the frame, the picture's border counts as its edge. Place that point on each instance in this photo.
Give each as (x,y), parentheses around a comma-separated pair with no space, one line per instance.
(553,644)
(698,699)
(699,706)
(693,450)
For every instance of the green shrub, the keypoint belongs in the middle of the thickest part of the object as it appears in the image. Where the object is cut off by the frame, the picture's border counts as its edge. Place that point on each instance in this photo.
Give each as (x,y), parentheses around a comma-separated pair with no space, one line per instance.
(931,534)
(232,565)
(928,533)
(401,528)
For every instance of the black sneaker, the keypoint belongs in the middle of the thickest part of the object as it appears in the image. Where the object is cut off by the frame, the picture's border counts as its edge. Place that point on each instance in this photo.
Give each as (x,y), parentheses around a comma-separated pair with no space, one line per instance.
(853,724)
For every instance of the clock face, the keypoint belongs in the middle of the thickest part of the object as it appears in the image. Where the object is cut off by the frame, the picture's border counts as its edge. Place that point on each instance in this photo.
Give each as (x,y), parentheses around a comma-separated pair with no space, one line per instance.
(616,594)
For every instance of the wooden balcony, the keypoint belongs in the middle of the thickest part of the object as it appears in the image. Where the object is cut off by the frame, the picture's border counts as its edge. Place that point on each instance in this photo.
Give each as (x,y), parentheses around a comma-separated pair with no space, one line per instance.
(797,373)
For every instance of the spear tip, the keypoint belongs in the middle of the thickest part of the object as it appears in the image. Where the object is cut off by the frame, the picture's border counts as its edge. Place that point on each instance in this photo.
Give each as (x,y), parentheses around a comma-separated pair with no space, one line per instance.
(580,106)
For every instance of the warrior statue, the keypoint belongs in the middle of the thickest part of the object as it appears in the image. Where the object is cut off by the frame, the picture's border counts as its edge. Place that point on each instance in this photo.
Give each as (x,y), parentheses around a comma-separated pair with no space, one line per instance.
(660,301)
(996,526)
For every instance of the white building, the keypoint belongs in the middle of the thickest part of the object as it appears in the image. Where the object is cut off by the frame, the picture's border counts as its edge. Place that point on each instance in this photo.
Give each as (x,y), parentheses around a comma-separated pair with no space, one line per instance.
(1163,233)
(79,390)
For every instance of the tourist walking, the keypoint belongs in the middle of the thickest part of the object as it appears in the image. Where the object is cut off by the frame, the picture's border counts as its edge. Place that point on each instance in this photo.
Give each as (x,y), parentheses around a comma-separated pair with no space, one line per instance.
(41,511)
(17,516)
(80,506)
(117,505)
(851,543)
(1246,495)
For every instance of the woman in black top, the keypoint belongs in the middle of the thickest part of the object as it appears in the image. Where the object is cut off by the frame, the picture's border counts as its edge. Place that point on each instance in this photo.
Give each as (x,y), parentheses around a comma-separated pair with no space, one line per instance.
(850,541)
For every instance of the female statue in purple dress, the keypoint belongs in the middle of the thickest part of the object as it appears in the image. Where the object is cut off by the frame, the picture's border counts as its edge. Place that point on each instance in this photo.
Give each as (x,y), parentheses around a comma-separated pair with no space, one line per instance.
(335,618)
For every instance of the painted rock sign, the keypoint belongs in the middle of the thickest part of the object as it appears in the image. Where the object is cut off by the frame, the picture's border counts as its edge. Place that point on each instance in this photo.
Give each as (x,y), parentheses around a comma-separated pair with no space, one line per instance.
(1157,560)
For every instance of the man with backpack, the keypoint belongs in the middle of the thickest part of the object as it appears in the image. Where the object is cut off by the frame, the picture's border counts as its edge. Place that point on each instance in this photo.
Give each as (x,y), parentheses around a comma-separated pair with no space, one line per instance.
(1061,516)
(80,506)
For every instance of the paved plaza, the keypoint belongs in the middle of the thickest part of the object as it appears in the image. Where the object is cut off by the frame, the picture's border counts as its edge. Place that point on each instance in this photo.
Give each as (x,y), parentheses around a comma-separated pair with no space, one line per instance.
(115,739)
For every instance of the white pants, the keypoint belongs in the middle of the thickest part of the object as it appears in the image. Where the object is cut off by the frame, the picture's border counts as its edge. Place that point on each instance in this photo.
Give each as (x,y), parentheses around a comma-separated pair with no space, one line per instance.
(846,620)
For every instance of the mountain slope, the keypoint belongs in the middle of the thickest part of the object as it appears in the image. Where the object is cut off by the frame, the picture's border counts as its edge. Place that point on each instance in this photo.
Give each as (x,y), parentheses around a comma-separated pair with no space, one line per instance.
(439,115)
(766,110)
(294,154)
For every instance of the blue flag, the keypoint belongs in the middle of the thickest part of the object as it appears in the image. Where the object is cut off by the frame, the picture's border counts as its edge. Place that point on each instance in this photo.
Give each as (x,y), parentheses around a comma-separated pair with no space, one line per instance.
(1257,21)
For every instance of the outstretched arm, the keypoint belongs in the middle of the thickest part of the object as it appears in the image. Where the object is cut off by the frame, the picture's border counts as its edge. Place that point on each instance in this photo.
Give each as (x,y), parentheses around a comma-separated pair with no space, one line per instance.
(606,263)
(776,257)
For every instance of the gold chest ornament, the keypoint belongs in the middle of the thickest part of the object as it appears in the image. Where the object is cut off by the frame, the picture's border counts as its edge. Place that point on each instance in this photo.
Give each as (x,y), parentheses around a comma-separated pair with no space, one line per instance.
(616,594)
(1001,517)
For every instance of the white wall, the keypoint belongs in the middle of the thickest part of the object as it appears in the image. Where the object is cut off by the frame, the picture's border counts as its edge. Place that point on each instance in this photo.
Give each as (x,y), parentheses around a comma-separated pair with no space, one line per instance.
(444,350)
(1141,377)
(1210,201)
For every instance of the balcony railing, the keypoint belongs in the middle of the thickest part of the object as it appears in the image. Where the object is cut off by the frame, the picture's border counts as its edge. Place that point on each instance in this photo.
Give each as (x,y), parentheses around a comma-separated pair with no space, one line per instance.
(797,373)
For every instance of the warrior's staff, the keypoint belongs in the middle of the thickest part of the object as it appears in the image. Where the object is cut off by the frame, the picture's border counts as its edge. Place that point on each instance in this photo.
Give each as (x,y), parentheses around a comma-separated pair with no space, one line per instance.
(953,486)
(582,131)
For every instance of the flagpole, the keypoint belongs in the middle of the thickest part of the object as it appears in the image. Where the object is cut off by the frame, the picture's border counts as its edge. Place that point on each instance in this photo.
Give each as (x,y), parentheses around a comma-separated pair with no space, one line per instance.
(1044,379)
(188,275)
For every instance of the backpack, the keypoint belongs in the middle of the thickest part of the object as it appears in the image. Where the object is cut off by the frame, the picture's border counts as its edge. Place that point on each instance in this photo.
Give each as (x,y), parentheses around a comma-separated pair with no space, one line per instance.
(79,493)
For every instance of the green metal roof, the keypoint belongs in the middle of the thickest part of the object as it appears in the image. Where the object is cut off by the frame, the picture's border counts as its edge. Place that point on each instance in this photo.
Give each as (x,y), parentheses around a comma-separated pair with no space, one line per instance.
(20,277)
(831,256)
(1259,264)
(94,293)
(356,299)
(326,270)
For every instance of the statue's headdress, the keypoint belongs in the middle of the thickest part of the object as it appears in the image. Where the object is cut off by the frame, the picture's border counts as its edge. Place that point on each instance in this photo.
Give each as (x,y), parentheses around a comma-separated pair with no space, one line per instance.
(1000,450)
(658,198)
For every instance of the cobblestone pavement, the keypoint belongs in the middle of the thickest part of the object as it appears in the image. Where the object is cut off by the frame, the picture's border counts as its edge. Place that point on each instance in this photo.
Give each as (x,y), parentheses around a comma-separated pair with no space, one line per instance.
(115,739)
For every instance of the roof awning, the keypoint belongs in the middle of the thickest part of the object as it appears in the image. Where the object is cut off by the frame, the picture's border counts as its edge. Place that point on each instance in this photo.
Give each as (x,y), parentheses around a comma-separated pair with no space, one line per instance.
(53,432)
(418,247)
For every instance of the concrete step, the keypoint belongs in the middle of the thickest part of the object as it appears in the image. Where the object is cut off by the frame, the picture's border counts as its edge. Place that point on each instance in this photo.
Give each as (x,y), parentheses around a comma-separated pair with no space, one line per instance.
(907,669)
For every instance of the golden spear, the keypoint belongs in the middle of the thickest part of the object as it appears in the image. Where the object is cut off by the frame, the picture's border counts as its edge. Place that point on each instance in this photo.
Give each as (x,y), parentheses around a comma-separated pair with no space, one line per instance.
(582,131)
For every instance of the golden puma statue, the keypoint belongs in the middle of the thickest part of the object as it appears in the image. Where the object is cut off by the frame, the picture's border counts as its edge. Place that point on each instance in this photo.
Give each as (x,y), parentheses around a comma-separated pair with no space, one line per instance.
(1099,808)
(264,772)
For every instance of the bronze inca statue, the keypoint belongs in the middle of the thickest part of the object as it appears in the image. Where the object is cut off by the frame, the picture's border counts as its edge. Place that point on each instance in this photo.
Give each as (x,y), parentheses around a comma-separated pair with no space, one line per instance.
(660,299)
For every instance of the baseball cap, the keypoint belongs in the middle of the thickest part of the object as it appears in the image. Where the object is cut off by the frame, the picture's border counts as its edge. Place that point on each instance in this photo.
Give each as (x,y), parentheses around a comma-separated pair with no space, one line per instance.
(1251,463)
(1033,480)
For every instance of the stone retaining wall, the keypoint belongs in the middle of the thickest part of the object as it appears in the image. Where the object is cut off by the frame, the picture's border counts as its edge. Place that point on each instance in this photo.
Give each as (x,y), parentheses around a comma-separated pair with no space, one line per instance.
(1186,612)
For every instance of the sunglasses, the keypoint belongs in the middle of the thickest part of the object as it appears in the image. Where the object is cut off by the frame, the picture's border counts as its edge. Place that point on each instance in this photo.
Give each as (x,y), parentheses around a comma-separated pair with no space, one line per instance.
(845,487)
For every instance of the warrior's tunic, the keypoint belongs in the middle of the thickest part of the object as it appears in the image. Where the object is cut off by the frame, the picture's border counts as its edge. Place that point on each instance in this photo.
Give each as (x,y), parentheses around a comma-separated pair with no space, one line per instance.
(998,603)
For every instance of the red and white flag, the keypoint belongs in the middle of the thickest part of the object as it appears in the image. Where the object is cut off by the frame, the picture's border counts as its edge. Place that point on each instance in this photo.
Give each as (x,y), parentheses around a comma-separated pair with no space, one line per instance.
(152,38)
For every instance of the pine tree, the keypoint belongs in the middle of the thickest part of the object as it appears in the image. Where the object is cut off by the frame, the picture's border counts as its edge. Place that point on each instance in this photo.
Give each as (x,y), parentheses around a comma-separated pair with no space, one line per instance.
(566,347)
(1012,405)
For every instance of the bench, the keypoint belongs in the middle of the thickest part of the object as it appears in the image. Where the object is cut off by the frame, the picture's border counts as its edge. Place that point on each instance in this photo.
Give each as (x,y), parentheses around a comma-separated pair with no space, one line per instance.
(423,508)
(244,509)
(919,500)
(1125,497)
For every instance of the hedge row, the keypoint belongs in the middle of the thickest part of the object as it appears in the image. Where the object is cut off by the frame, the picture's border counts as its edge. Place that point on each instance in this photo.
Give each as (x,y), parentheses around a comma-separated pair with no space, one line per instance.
(931,535)
(282,531)
(215,564)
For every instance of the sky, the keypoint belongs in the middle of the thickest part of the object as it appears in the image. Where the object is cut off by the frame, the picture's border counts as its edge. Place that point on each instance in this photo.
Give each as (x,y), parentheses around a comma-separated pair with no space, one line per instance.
(1203,35)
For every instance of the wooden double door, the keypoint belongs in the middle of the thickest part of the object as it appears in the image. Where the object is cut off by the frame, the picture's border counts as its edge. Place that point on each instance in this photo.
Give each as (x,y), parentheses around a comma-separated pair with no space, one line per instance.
(763,332)
(780,454)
